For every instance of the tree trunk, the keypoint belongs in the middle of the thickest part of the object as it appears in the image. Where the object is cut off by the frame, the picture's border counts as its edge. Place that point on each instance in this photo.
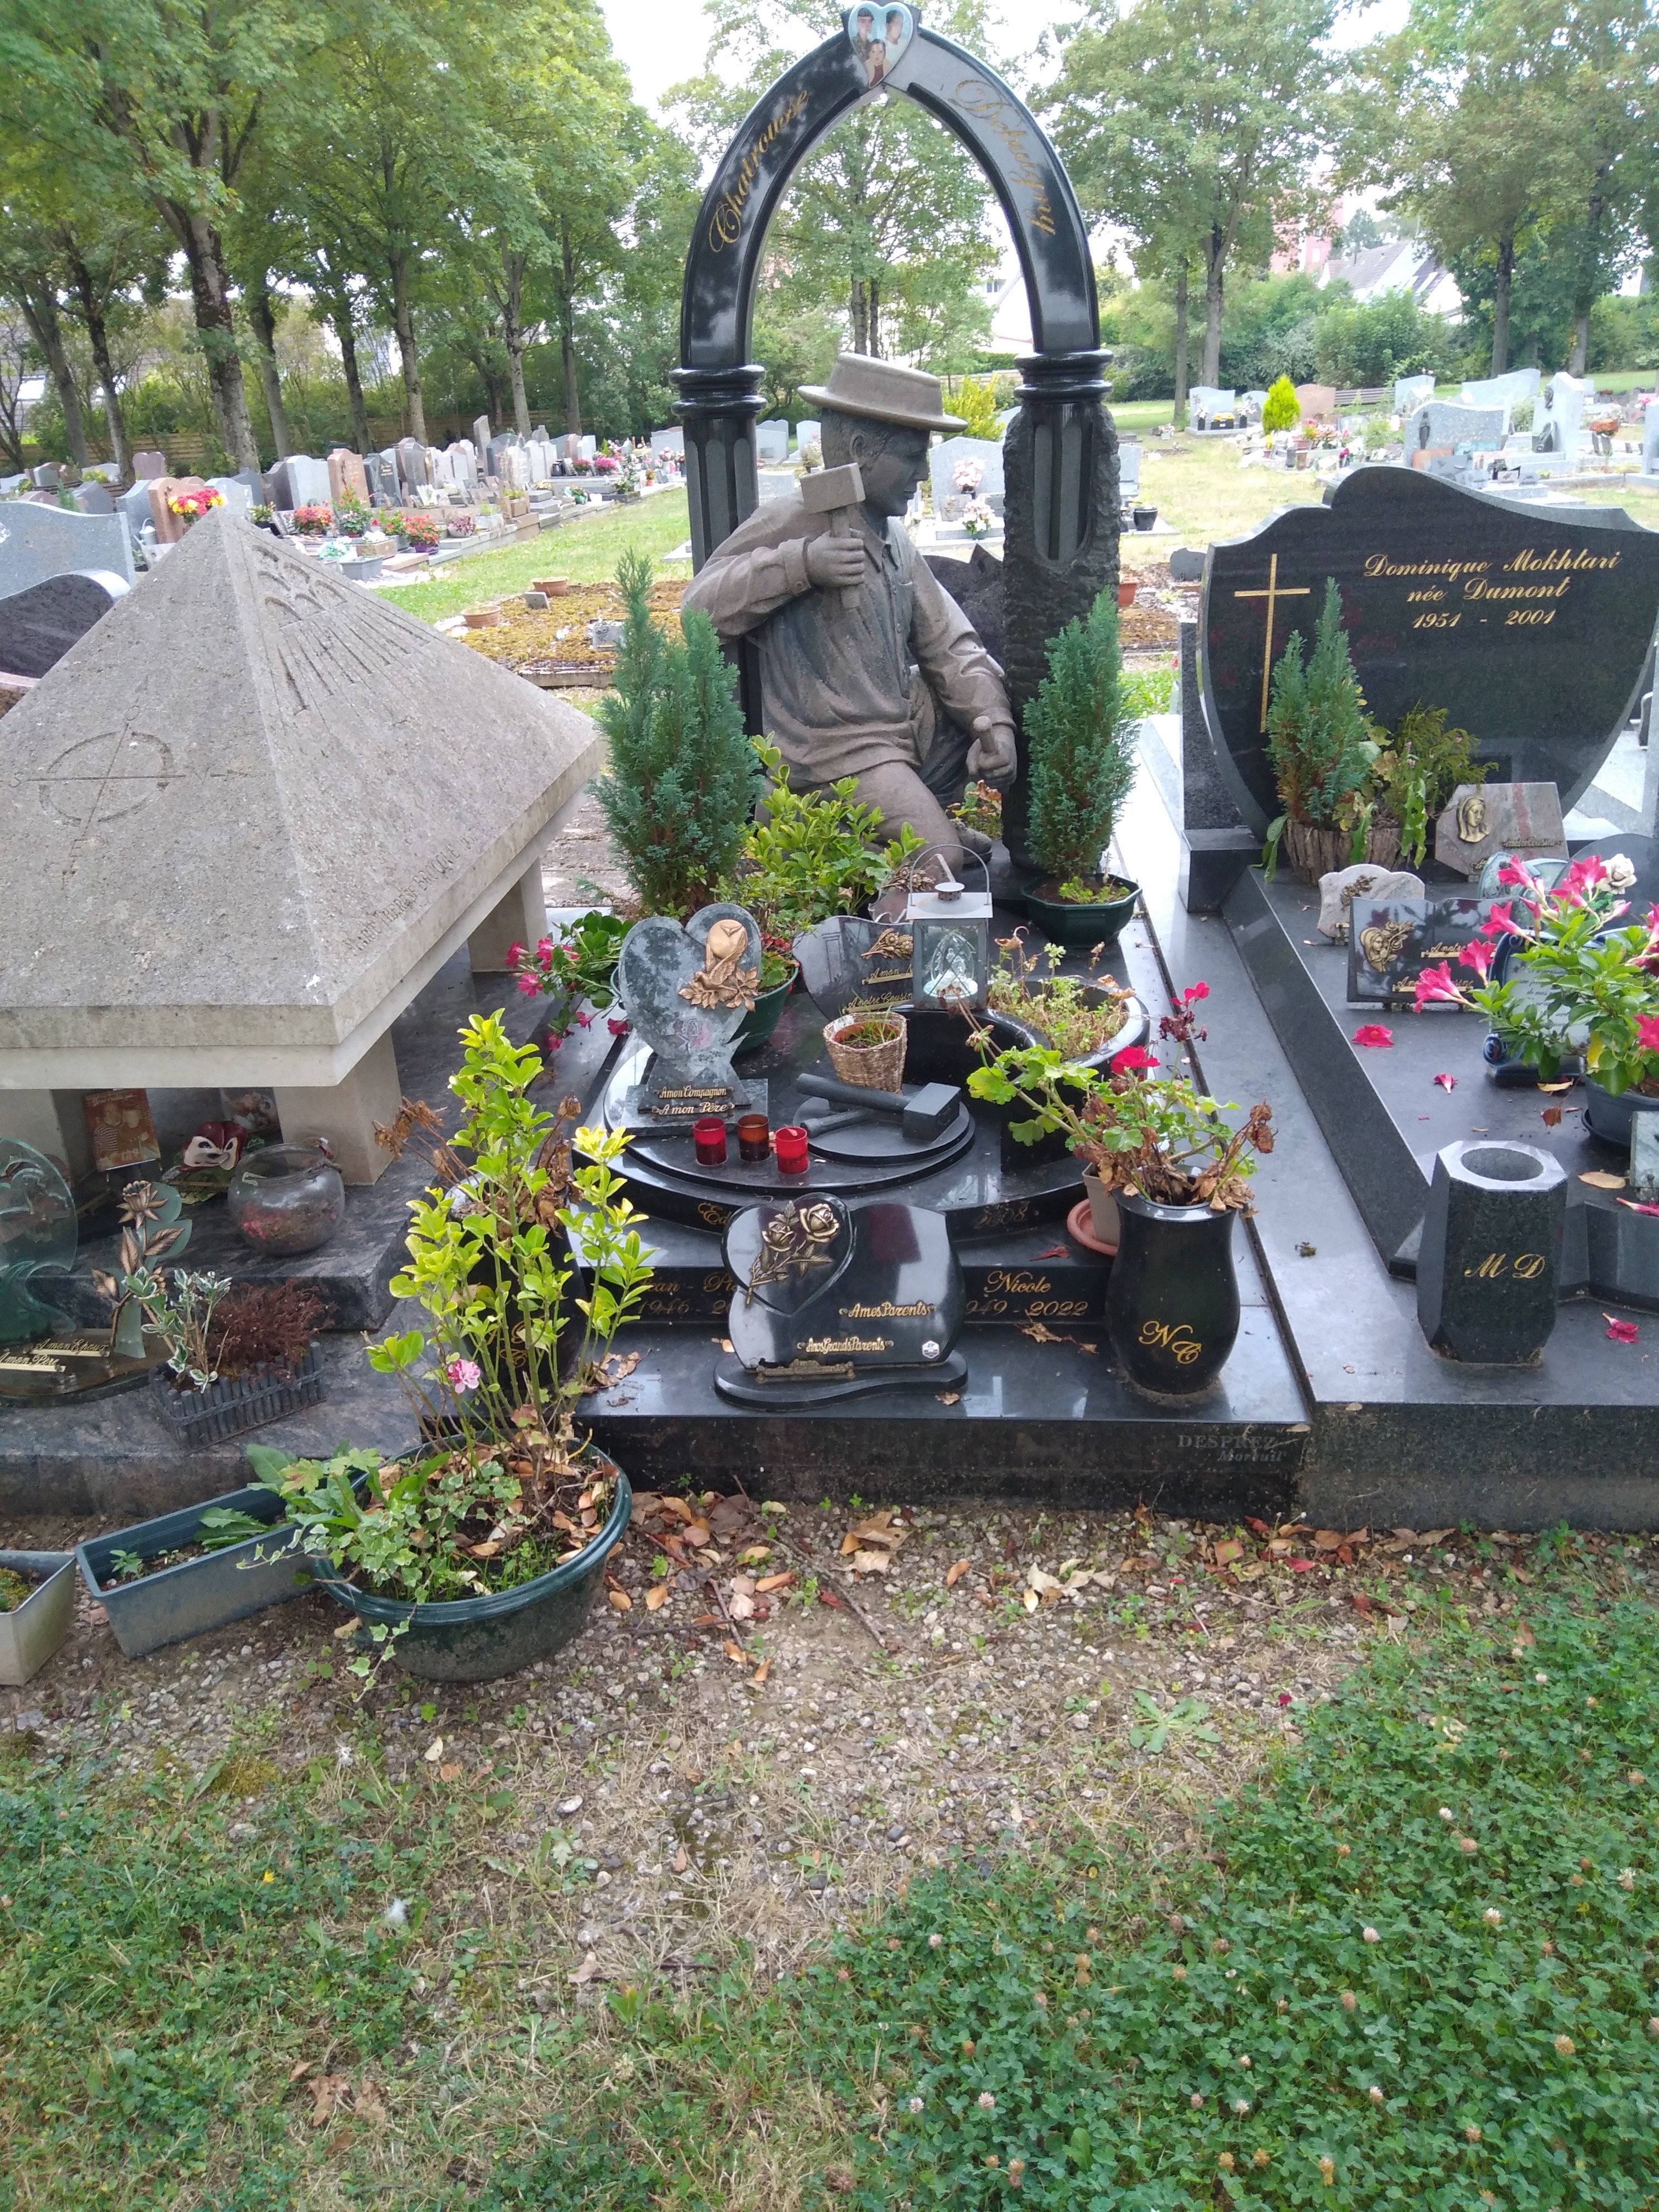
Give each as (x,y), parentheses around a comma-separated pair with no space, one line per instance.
(514,338)
(860,317)
(1578,358)
(1500,305)
(572,398)
(216,327)
(875,318)
(262,314)
(403,324)
(1214,275)
(1179,416)
(346,337)
(92,305)
(41,311)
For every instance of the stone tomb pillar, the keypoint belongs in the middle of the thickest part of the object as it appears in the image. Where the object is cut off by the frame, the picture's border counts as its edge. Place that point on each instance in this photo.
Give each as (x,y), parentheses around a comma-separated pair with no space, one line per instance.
(518,918)
(1216,847)
(346,1113)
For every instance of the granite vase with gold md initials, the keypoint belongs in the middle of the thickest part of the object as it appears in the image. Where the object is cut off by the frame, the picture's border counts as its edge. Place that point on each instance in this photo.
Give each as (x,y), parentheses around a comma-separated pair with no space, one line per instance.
(1172,1302)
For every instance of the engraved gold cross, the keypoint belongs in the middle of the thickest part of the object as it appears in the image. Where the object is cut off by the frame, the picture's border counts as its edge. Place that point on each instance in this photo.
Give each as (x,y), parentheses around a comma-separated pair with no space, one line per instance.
(1275,592)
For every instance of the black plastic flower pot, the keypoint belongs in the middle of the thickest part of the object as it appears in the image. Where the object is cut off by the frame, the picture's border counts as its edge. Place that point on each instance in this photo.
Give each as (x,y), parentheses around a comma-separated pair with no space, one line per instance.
(1067,923)
(1613,1118)
(234,1405)
(480,1639)
(1172,1302)
(187,1600)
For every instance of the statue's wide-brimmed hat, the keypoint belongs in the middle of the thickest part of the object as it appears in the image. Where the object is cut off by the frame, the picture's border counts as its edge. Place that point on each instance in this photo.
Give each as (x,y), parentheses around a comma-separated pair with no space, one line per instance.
(881,392)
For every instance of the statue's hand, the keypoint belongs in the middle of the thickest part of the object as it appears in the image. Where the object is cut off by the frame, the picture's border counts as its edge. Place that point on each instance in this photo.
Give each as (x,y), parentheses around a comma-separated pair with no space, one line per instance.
(992,756)
(834,563)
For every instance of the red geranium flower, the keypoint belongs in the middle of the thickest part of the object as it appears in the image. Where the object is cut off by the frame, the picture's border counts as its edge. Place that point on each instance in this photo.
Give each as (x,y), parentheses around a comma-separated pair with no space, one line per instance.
(1193,992)
(1133,1059)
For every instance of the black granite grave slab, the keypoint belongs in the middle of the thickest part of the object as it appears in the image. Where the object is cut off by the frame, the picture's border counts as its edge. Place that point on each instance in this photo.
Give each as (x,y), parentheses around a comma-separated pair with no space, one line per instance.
(1529,625)
(1400,1435)
(39,625)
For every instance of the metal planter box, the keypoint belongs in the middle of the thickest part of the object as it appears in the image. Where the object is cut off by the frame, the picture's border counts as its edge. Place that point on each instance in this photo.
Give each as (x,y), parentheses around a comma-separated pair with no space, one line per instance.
(187,1600)
(31,1632)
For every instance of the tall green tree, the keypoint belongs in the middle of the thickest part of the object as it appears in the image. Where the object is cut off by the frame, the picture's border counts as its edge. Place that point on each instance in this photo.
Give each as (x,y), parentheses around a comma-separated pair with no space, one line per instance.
(167,99)
(1196,125)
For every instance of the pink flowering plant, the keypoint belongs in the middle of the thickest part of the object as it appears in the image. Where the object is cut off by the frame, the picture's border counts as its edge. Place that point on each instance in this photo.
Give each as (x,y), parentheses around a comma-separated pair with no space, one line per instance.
(1591,987)
(504,1488)
(1144,1125)
(193,505)
(313,521)
(575,972)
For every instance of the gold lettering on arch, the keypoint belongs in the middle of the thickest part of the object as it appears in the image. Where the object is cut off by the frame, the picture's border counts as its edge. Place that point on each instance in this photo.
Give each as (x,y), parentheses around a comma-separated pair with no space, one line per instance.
(726,222)
(998,112)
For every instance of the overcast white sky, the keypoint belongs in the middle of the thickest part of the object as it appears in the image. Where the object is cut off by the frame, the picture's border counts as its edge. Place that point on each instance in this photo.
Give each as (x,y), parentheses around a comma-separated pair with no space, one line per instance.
(663,40)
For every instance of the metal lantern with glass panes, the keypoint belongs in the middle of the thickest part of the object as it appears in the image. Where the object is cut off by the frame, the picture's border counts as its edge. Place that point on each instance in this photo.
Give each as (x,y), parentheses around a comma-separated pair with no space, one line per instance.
(949,926)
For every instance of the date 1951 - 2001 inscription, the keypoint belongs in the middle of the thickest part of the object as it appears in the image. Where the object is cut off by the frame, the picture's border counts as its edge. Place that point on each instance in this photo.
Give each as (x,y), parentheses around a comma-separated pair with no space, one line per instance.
(1525,591)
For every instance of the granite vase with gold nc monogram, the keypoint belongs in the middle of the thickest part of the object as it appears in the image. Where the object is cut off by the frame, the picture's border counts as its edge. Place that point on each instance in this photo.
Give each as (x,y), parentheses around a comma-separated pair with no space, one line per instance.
(1172,1302)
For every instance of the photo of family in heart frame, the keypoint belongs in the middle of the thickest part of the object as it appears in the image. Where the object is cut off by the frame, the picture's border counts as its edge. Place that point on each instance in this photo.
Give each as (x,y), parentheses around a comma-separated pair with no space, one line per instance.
(880,36)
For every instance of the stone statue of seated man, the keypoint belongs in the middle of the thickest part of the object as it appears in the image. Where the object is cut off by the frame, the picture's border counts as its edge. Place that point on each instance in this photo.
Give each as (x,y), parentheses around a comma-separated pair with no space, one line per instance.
(838,674)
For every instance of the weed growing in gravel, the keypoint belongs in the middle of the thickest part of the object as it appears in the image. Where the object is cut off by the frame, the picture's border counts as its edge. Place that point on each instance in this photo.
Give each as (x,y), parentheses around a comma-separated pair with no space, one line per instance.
(1425,1971)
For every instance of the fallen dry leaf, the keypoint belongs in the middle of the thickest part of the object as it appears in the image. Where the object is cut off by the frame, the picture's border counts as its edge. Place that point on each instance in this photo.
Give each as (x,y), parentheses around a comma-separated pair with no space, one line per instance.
(678,1507)
(736,1652)
(1032,1601)
(585,1972)
(696,1536)
(1041,1334)
(302,2066)
(451,1771)
(620,1600)
(1227,1553)
(760,1673)
(647,1505)
(435,1751)
(878,1528)
(872,1562)
(1551,1117)
(768,1583)
(368,2103)
(953,1575)
(656,1597)
(1327,1539)
(1599,1179)
(329,2092)
(741,1606)
(682,1859)
(949,1397)
(1524,1639)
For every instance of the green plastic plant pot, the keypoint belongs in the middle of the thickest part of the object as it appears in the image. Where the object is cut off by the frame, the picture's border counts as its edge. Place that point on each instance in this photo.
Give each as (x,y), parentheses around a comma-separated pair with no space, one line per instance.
(759,1023)
(479,1639)
(1066,923)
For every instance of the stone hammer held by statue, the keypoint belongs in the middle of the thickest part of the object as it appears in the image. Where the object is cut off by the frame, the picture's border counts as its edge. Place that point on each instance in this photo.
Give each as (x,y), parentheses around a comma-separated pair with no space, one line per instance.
(835,492)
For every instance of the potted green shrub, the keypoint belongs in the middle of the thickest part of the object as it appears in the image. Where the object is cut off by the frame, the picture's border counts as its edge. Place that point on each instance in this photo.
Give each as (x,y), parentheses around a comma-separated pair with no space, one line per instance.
(1323,749)
(682,773)
(1178,1174)
(1575,987)
(478,1549)
(809,854)
(1082,766)
(1088,1018)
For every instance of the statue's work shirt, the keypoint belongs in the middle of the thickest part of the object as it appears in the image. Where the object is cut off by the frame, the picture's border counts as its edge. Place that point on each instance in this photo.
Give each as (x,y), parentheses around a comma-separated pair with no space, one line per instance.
(835,680)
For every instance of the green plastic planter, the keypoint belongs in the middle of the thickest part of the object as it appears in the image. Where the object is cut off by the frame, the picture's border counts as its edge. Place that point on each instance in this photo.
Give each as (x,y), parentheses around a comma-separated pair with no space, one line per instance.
(1065,923)
(479,1639)
(758,1024)
(197,1595)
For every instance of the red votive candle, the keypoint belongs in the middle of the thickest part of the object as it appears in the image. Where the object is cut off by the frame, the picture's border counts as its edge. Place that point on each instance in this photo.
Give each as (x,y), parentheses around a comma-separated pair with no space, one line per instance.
(708,1142)
(754,1139)
(792,1150)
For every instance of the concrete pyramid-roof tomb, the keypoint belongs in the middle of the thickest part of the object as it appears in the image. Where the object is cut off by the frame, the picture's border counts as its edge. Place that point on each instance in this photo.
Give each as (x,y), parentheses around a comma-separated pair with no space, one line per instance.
(248,815)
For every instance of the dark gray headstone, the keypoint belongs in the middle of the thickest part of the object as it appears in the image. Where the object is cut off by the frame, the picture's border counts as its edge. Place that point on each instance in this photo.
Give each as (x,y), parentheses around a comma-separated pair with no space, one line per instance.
(38,626)
(1491,1251)
(660,972)
(1528,623)
(1187,565)
(94,499)
(847,959)
(47,476)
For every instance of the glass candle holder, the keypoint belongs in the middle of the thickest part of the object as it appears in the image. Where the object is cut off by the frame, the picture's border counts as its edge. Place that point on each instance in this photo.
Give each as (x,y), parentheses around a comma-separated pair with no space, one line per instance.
(754,1139)
(287,1198)
(708,1142)
(792,1150)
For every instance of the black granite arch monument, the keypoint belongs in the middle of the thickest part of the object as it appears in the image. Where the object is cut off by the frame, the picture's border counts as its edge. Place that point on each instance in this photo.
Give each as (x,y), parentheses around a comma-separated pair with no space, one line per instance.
(1060,452)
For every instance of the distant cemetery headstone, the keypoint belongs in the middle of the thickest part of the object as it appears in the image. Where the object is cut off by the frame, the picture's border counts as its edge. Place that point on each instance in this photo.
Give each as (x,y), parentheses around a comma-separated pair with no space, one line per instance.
(94,499)
(38,626)
(1651,439)
(39,542)
(1507,391)
(149,464)
(772,441)
(945,460)
(1316,400)
(481,437)
(170,527)
(1441,426)
(233,492)
(1558,420)
(807,433)
(307,480)
(1251,403)
(411,465)
(1411,391)
(1528,624)
(671,441)
(347,478)
(47,476)
(1208,404)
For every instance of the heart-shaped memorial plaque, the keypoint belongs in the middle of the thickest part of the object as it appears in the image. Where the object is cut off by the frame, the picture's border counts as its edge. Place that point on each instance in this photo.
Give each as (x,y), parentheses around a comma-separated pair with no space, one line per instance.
(687,989)
(785,1256)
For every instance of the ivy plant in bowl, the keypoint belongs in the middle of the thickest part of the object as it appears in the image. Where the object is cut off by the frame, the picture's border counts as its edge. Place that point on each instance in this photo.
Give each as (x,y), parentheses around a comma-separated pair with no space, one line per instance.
(478,1550)
(1082,767)
(1178,1173)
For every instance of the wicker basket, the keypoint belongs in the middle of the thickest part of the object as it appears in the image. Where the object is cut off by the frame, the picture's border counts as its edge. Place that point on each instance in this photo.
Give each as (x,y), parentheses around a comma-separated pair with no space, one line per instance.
(1314,852)
(871,1067)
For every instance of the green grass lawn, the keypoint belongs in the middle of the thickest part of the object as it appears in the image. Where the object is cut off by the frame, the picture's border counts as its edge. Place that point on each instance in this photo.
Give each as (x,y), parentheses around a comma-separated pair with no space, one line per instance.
(587,549)
(1418,1964)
